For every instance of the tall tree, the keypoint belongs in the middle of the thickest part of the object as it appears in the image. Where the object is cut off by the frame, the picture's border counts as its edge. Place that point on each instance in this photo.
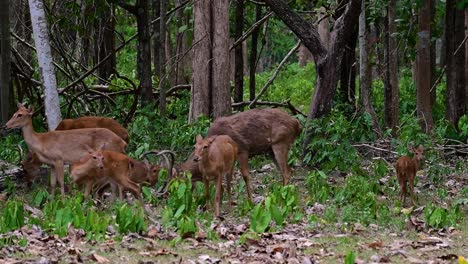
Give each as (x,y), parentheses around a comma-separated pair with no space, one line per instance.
(253,54)
(140,11)
(44,56)
(106,41)
(391,68)
(365,78)
(455,60)
(326,60)
(201,64)
(210,89)
(162,58)
(423,62)
(238,53)
(5,60)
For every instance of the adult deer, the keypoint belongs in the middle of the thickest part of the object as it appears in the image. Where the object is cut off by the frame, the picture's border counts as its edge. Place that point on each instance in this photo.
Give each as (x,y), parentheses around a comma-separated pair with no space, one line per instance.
(57,148)
(256,131)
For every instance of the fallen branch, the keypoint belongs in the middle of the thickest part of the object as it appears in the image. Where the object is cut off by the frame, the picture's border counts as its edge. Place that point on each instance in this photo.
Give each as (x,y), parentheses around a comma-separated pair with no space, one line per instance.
(287,104)
(250,30)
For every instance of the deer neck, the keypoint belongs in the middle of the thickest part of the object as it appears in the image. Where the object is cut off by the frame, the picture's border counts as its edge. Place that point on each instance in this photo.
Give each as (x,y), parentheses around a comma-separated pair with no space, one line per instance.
(416,161)
(29,135)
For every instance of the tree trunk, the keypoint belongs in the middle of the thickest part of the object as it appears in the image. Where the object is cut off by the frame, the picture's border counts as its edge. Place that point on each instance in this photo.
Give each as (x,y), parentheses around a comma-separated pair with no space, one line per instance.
(466,59)
(456,90)
(162,58)
(44,55)
(144,51)
(201,64)
(391,69)
(238,57)
(156,5)
(253,54)
(433,59)
(106,44)
(423,61)
(364,70)
(348,71)
(5,60)
(181,39)
(221,99)
(323,28)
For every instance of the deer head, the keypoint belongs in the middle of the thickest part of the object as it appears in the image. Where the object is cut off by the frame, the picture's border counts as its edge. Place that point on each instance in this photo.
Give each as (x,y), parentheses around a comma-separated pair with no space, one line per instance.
(20,118)
(201,147)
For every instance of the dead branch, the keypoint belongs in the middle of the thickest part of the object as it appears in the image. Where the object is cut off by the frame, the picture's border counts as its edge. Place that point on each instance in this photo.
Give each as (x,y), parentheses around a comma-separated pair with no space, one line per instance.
(287,104)
(250,30)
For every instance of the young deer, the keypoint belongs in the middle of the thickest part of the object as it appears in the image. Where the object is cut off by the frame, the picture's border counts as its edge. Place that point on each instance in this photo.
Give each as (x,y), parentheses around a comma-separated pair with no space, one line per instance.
(406,169)
(57,148)
(100,166)
(215,157)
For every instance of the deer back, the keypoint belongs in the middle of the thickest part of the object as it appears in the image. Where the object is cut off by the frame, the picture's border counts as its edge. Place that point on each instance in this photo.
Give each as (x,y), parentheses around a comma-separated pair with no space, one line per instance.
(94,122)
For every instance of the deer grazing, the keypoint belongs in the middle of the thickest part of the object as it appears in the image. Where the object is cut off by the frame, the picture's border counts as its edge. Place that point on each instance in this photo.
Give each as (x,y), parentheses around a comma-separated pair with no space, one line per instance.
(57,148)
(32,164)
(215,157)
(406,169)
(256,131)
(94,122)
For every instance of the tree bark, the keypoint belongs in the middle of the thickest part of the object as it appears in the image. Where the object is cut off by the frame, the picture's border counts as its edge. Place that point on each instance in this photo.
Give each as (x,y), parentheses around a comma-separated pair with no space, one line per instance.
(364,70)
(253,54)
(162,58)
(181,39)
(326,61)
(348,71)
(456,90)
(5,60)
(106,44)
(423,62)
(156,5)
(44,55)
(201,64)
(221,99)
(391,69)
(238,54)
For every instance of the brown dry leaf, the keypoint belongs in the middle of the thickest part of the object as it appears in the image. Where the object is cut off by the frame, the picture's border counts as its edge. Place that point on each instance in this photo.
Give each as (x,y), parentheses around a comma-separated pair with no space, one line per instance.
(152,231)
(375,245)
(99,259)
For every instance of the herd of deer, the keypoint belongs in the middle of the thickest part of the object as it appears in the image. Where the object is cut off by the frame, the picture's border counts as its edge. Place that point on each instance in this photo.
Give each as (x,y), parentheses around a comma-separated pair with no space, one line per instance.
(94,147)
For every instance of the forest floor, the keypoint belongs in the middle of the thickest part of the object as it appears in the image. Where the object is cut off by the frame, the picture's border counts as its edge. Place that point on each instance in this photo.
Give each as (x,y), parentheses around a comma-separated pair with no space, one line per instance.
(406,239)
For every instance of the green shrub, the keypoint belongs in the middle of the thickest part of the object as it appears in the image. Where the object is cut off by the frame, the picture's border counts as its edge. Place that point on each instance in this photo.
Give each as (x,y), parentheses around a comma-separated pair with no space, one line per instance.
(130,219)
(12,216)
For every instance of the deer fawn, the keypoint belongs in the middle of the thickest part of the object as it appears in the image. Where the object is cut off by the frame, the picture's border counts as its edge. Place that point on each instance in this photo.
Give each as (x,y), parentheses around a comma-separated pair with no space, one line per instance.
(215,157)
(406,169)
(57,148)
(256,131)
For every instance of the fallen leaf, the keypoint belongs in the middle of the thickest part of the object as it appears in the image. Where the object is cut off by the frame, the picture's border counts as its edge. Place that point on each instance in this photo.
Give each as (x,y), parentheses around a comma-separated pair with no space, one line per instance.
(152,231)
(99,259)
(375,245)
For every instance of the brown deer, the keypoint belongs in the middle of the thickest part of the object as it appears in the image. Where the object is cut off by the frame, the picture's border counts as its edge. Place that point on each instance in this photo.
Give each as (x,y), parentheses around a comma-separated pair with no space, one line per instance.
(256,131)
(31,165)
(94,122)
(215,157)
(100,166)
(406,169)
(57,148)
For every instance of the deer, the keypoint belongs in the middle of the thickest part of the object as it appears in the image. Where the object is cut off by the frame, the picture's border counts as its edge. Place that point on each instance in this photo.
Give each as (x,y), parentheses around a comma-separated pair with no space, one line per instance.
(215,157)
(31,164)
(94,122)
(406,168)
(57,148)
(255,131)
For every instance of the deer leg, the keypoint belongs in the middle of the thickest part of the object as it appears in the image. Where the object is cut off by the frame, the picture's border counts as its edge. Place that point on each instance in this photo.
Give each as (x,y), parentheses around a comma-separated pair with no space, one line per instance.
(218,195)
(228,185)
(243,159)
(281,155)
(89,185)
(403,192)
(411,189)
(53,180)
(58,166)
(206,183)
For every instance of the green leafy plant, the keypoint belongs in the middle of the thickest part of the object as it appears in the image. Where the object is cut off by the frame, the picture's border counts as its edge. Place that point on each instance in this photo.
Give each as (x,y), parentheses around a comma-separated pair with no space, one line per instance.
(12,216)
(130,219)
(439,217)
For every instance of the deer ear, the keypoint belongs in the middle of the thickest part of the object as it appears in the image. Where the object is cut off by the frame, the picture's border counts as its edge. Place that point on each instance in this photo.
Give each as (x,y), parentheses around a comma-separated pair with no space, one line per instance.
(88,148)
(19,105)
(30,109)
(420,148)
(199,138)
(102,147)
(131,164)
(211,139)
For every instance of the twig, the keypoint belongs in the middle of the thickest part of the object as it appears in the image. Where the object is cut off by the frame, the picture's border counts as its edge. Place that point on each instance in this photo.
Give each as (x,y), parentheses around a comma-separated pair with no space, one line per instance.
(250,30)
(275,73)
(376,148)
(286,104)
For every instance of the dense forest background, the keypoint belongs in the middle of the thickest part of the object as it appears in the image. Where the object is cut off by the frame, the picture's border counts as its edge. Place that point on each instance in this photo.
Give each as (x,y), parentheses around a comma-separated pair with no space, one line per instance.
(364,77)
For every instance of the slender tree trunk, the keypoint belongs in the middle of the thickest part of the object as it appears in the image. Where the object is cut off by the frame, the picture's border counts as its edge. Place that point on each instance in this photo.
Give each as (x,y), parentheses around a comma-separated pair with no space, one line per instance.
(180,45)
(433,58)
(156,5)
(253,54)
(44,55)
(221,99)
(466,59)
(5,60)
(201,64)
(391,69)
(348,71)
(162,58)
(456,89)
(365,71)
(144,51)
(238,57)
(106,44)
(423,61)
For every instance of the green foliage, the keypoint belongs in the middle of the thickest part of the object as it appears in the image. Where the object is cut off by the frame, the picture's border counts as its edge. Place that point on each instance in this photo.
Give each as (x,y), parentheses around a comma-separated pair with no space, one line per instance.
(317,187)
(439,217)
(130,219)
(12,216)
(350,258)
(280,205)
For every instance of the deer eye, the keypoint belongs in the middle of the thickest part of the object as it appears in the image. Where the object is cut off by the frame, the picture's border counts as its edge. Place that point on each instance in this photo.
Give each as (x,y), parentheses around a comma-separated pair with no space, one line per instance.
(205,147)
(94,158)
(20,115)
